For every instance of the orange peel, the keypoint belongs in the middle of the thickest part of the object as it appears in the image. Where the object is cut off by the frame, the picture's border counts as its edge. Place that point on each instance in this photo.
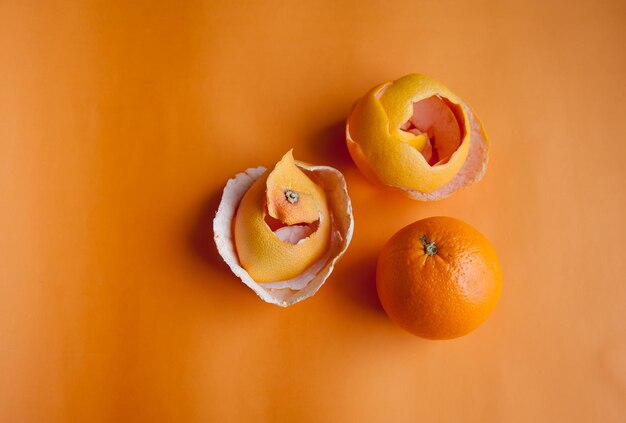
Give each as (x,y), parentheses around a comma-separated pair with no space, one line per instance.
(415,135)
(282,231)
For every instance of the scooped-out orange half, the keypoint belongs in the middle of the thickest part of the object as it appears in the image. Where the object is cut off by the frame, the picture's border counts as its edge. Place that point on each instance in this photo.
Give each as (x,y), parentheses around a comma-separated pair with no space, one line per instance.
(415,135)
(281,231)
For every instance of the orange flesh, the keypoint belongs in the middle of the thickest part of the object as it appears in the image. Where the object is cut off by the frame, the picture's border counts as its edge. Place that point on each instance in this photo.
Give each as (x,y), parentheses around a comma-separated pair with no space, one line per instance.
(440,124)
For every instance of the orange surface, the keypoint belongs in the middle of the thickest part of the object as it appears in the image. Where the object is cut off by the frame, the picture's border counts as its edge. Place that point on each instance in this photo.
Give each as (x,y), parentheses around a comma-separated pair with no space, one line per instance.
(120,122)
(438,278)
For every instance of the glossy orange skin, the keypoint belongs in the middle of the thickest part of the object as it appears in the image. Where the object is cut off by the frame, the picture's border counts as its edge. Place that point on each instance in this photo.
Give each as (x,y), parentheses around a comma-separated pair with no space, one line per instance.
(441,296)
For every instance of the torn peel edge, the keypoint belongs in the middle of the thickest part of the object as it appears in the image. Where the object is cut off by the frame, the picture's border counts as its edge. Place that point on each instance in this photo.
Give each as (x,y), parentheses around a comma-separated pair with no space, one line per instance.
(473,168)
(300,281)
(373,125)
(293,234)
(362,163)
(343,227)
(380,90)
(472,171)
(438,128)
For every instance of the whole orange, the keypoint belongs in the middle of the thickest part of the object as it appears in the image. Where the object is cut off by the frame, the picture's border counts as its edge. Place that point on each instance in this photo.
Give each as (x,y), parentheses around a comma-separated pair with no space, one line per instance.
(438,278)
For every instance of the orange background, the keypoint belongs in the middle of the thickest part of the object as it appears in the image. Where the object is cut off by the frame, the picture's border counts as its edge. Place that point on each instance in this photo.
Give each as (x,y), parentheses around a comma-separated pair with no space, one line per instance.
(120,122)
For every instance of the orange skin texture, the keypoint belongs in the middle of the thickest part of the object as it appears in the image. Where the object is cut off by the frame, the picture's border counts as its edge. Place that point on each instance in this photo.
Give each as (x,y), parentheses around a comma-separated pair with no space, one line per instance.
(441,296)
(287,176)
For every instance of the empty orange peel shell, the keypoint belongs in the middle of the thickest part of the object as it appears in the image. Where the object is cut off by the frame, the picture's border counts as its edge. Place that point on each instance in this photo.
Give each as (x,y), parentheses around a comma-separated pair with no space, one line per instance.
(282,231)
(415,135)
(296,233)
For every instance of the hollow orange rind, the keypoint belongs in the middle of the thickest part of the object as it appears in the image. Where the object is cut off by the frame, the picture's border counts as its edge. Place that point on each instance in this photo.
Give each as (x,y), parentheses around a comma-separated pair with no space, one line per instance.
(283,249)
(282,225)
(415,135)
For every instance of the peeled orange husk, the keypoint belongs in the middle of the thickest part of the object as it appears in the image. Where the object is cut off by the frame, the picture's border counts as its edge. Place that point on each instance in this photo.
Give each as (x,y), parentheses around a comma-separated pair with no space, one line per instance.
(415,135)
(286,264)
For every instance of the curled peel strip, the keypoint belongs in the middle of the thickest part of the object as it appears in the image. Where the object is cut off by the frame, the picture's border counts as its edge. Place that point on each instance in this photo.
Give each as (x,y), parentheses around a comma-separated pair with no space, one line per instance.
(473,169)
(286,293)
(416,136)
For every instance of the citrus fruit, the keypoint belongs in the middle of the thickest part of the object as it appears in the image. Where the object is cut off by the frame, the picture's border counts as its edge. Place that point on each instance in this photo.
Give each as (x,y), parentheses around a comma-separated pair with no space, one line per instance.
(415,135)
(438,278)
(281,231)
(282,225)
